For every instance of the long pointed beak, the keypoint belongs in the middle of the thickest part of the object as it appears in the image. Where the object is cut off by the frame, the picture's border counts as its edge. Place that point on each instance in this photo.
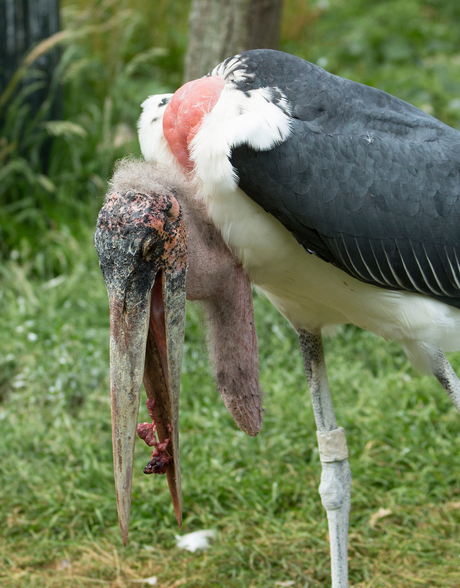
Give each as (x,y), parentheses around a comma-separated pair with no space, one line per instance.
(146,342)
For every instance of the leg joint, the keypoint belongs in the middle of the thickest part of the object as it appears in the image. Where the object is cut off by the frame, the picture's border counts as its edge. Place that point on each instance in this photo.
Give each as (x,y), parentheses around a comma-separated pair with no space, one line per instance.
(335,485)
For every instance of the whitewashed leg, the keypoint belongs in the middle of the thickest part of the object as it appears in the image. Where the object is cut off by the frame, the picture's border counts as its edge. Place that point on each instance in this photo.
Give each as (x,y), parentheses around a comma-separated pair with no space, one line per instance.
(335,484)
(447,377)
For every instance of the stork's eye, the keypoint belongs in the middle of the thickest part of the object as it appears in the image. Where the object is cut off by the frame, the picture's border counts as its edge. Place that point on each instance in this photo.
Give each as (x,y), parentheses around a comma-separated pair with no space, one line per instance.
(149,247)
(174,210)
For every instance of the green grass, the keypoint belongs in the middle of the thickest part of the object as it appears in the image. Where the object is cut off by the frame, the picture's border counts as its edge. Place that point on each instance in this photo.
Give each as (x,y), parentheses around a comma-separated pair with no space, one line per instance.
(57,505)
(58,524)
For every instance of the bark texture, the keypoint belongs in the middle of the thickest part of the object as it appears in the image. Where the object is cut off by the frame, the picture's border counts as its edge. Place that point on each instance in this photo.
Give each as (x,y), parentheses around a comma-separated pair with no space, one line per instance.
(222,29)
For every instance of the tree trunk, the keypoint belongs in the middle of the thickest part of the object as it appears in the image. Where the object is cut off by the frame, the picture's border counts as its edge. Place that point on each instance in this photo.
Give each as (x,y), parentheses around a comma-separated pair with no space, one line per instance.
(220,29)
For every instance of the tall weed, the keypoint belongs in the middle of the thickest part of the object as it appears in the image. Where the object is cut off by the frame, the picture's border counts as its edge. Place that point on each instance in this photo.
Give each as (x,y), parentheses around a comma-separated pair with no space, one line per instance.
(102,93)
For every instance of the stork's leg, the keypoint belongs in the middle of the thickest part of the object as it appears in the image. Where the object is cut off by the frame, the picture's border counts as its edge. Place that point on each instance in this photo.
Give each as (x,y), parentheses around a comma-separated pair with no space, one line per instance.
(446,376)
(336,475)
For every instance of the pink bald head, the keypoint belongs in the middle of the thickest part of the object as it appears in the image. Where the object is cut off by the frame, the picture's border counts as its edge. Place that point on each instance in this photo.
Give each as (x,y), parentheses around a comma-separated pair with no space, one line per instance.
(184,115)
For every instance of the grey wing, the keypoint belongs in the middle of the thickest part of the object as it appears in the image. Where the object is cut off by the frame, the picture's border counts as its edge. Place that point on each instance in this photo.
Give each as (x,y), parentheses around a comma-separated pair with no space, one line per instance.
(382,207)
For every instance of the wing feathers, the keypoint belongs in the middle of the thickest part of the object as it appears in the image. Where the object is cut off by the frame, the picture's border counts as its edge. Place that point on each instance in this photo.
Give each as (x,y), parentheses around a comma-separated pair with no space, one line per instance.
(366,181)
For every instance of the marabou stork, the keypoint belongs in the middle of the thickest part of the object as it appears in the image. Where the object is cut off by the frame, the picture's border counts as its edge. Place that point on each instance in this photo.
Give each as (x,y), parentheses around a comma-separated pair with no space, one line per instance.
(340,202)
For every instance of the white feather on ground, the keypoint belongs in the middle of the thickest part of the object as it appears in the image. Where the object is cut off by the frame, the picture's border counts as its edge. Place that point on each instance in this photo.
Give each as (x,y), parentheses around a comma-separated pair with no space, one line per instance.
(197,540)
(152,581)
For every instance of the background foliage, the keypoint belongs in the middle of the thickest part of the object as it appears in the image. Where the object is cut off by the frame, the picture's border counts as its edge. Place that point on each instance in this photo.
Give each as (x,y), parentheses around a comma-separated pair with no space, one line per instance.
(57,511)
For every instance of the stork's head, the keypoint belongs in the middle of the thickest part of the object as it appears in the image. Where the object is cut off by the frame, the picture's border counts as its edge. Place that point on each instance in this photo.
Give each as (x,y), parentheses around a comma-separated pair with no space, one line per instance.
(141,243)
(144,252)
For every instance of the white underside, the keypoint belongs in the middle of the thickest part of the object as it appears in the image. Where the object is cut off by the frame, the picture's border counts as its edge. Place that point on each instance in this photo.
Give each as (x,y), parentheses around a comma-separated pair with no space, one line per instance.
(313,294)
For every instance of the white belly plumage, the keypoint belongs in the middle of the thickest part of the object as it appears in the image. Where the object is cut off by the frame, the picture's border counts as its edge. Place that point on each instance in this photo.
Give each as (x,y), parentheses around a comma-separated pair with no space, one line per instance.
(313,294)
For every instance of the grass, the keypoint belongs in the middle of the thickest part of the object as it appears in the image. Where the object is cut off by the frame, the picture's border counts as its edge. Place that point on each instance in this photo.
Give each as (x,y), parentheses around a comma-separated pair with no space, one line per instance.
(57,506)
(58,524)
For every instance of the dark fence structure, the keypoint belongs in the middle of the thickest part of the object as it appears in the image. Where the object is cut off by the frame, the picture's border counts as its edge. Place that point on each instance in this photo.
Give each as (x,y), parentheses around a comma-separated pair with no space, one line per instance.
(23,24)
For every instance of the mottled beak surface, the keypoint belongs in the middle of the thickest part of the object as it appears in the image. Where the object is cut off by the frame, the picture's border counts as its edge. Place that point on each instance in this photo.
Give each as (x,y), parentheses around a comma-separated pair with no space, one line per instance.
(141,243)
